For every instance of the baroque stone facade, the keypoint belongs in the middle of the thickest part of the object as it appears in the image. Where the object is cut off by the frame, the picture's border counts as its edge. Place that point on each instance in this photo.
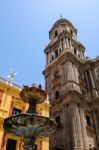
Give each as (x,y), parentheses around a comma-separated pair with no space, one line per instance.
(72,82)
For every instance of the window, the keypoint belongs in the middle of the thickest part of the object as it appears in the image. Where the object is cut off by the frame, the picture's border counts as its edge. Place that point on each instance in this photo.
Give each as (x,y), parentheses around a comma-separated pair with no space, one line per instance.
(11,144)
(1,95)
(35,147)
(16,111)
(56,53)
(89,121)
(71,32)
(60,50)
(55,34)
(57,95)
(69,42)
(75,51)
(52,57)
(58,120)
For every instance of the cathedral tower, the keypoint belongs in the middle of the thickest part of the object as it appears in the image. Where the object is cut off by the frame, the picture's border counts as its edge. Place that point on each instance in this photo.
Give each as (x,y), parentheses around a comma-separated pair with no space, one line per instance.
(72,82)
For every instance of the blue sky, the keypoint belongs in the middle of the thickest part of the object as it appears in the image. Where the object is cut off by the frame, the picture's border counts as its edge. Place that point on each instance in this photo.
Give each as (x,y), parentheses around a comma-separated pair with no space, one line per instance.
(24,26)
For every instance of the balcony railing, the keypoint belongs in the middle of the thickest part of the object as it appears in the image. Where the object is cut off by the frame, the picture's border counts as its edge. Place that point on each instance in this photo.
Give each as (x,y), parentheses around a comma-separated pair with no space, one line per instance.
(10,83)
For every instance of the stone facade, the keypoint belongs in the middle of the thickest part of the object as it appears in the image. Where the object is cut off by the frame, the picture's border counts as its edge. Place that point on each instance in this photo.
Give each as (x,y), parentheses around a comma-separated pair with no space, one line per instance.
(72,82)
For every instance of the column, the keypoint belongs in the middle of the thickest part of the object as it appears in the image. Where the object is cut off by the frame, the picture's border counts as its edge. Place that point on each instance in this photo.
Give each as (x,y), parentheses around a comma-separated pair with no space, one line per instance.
(95,118)
(70,44)
(67,42)
(80,136)
(72,124)
(76,126)
(64,41)
(92,80)
(98,116)
(67,137)
(83,126)
(87,80)
(47,58)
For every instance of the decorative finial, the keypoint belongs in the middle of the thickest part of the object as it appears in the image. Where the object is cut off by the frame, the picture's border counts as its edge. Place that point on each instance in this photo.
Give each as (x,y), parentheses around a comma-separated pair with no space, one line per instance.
(11,75)
(61,16)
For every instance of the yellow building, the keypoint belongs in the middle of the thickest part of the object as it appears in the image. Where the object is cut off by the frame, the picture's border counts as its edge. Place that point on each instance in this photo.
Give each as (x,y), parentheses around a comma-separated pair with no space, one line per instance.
(11,104)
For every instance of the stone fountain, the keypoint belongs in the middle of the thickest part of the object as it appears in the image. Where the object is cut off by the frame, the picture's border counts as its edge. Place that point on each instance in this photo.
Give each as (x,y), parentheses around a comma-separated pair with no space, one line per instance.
(30,125)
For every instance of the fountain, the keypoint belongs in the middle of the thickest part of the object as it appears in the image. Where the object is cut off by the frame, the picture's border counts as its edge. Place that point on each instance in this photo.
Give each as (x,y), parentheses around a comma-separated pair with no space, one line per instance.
(30,125)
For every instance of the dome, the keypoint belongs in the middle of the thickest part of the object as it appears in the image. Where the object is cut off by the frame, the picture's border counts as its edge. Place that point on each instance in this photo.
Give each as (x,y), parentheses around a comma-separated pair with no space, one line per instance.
(61,22)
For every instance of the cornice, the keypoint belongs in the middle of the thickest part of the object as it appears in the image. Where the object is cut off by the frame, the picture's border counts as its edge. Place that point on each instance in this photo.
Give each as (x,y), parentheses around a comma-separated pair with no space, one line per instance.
(68,55)
(92,61)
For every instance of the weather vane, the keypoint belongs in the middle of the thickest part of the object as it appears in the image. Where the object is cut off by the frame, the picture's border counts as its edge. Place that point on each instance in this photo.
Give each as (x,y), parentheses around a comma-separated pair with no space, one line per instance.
(11,75)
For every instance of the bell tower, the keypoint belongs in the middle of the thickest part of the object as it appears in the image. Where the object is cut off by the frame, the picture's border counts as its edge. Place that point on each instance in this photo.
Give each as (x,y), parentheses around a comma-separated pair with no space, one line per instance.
(68,81)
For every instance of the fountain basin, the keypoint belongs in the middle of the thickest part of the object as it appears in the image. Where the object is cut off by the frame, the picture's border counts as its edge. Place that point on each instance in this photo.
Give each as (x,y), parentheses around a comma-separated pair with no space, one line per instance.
(29,125)
(31,94)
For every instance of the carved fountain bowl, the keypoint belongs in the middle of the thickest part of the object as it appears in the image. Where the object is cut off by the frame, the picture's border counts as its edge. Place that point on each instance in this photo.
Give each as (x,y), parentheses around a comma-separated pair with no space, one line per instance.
(29,125)
(32,93)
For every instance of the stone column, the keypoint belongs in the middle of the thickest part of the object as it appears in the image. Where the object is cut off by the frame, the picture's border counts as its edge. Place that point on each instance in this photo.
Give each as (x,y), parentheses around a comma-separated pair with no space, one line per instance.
(92,80)
(77,136)
(68,70)
(73,126)
(76,74)
(29,144)
(62,44)
(66,128)
(87,81)
(95,118)
(84,130)
(67,43)
(98,117)
(64,41)
(70,44)
(80,137)
(47,58)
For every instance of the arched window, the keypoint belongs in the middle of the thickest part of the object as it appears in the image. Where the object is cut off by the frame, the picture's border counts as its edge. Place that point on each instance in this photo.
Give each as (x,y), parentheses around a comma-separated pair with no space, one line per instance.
(58,120)
(56,53)
(55,34)
(75,51)
(60,50)
(52,57)
(71,32)
(69,42)
(57,95)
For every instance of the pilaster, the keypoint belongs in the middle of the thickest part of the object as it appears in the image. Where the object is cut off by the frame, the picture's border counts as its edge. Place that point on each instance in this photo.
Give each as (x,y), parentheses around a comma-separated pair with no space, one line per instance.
(95,118)
(84,130)
(77,136)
